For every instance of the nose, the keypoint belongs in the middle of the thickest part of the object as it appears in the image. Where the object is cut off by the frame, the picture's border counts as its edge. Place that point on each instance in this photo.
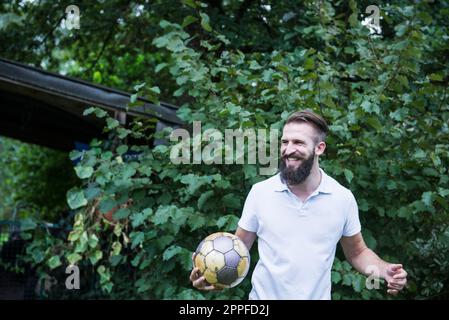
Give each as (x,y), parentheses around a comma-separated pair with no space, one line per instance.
(289,148)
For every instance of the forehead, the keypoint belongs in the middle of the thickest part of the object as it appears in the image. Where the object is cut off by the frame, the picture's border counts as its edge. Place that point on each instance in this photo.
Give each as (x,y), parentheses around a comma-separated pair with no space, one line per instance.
(302,131)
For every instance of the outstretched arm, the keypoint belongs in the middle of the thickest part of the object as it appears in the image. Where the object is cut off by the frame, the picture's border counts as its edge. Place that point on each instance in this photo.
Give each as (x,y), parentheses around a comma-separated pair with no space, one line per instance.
(365,261)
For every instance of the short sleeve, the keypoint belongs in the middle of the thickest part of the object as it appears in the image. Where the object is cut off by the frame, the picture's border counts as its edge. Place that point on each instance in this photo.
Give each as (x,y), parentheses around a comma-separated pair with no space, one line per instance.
(352,223)
(248,220)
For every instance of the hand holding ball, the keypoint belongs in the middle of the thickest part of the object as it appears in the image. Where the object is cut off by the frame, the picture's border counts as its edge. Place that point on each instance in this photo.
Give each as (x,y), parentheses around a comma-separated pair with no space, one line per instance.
(222,259)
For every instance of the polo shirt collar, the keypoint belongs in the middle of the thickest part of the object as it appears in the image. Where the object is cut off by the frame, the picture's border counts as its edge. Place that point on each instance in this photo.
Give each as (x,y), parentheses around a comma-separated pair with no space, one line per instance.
(324,186)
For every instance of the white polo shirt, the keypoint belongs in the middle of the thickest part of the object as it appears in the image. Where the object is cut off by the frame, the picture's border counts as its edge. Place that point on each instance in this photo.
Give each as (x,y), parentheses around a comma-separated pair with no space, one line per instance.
(297,240)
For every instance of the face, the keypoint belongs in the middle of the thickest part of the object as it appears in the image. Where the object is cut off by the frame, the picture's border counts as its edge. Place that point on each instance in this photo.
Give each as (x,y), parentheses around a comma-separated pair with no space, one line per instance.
(298,152)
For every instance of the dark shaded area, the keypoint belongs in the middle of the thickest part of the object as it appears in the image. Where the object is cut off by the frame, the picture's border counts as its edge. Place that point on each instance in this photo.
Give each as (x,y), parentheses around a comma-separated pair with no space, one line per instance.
(46,108)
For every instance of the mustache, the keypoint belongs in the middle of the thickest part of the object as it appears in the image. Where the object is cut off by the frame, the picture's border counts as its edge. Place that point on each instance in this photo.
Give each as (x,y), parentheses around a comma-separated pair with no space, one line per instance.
(292,155)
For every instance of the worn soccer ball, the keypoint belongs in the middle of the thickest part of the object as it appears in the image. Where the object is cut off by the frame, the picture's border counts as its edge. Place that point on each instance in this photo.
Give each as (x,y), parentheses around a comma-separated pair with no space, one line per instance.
(223,259)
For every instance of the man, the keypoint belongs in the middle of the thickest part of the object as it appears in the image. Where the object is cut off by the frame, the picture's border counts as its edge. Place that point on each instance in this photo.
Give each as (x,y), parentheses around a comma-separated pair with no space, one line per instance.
(299,215)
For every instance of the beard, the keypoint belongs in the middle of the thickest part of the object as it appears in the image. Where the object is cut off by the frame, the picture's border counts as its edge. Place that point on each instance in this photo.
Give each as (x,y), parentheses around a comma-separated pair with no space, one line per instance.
(297,175)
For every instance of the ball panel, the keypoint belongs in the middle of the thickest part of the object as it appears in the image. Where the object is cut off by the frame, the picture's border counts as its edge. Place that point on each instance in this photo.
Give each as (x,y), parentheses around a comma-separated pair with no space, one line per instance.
(206,247)
(215,260)
(232,259)
(214,236)
(243,266)
(223,244)
(199,262)
(221,286)
(198,249)
(236,282)
(227,275)
(240,247)
(210,276)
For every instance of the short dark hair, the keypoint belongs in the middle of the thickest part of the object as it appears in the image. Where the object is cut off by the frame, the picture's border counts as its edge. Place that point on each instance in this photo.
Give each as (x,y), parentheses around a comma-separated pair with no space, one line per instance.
(309,116)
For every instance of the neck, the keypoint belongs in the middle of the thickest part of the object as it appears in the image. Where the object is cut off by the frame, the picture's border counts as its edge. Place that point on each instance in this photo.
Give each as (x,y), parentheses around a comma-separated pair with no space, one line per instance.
(310,184)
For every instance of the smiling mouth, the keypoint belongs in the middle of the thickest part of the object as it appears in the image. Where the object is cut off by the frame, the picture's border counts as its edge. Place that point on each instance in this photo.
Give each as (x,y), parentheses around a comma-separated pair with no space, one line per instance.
(291,161)
(292,158)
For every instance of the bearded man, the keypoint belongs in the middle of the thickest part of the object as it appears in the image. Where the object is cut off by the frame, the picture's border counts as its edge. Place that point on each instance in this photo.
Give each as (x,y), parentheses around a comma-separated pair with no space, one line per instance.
(299,215)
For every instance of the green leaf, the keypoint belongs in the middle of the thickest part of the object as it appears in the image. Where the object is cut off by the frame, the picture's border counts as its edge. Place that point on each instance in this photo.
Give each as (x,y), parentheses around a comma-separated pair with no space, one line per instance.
(84,172)
(205,22)
(188,20)
(95,256)
(348,175)
(100,113)
(170,252)
(254,65)
(231,201)
(97,77)
(137,238)
(160,66)
(92,192)
(122,149)
(73,258)
(133,98)
(139,86)
(93,241)
(375,123)
(427,198)
(196,221)
(76,199)
(112,123)
(137,219)
(115,260)
(54,262)
(107,205)
(155,90)
(89,111)
(204,197)
(122,213)
(190,3)
(309,64)
(128,172)
(336,277)
(436,77)
(228,222)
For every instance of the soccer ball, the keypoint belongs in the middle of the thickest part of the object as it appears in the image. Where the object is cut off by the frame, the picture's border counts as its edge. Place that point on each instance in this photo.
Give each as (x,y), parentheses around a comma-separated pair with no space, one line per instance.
(222,259)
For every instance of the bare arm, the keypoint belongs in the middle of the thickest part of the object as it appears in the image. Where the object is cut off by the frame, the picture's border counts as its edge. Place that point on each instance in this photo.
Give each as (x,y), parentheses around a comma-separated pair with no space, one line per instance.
(247,237)
(365,261)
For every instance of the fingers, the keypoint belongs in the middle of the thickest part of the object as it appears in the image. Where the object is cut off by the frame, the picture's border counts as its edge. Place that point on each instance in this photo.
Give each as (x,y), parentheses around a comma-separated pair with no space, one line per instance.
(202,284)
(392,292)
(199,283)
(396,267)
(395,286)
(400,275)
(194,275)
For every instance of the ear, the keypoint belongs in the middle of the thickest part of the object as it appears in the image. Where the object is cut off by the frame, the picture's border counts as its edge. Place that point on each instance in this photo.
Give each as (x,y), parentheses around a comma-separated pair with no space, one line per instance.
(320,147)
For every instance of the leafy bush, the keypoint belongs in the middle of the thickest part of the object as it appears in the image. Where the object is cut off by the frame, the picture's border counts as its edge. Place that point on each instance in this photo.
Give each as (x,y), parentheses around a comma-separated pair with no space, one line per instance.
(386,101)
(34,181)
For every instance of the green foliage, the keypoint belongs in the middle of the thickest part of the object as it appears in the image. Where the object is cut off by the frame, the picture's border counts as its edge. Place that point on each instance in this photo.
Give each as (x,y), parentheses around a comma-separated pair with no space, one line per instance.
(33,181)
(385,98)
